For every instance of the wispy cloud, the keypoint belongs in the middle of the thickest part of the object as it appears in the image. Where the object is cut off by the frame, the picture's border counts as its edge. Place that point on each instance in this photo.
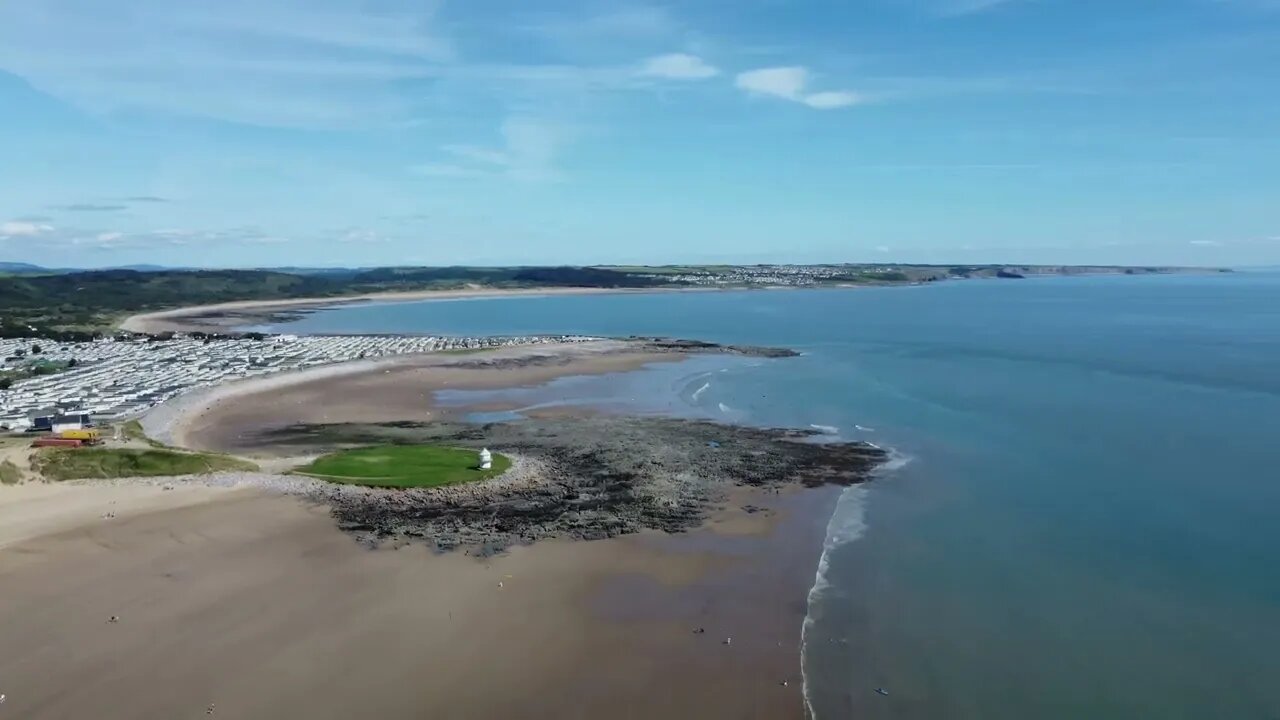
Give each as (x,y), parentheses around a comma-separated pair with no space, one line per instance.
(63,239)
(528,152)
(361,235)
(625,22)
(284,62)
(446,170)
(145,199)
(958,8)
(89,207)
(1206,243)
(678,66)
(791,83)
(476,154)
(21,228)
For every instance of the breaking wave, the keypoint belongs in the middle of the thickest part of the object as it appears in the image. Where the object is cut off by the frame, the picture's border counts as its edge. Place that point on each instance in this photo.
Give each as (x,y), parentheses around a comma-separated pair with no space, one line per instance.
(848,523)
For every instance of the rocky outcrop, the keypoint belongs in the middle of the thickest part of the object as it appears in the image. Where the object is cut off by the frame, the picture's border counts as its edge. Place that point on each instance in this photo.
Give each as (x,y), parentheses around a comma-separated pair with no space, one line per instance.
(581,477)
(658,344)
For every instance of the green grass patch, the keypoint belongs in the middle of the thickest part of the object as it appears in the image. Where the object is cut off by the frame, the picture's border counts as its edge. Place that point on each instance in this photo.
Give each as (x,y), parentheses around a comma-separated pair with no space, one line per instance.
(132,430)
(9,473)
(404,466)
(89,463)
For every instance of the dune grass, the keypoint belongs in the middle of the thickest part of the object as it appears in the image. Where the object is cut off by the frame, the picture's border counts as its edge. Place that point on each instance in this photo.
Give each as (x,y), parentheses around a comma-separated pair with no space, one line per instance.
(90,463)
(404,466)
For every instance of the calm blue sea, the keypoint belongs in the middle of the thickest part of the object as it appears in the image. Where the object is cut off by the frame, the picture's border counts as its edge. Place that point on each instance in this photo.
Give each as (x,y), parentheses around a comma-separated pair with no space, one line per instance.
(1085,518)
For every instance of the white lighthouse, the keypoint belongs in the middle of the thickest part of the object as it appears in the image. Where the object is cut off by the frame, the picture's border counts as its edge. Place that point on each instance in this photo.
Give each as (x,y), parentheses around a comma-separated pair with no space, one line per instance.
(486,459)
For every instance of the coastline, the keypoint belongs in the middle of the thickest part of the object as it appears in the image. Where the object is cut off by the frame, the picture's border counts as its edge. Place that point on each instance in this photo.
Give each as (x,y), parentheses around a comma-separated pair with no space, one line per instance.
(387,389)
(222,317)
(241,592)
(256,605)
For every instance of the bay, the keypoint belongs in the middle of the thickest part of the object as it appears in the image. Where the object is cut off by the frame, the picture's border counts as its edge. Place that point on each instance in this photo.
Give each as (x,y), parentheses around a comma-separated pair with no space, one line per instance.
(1084,515)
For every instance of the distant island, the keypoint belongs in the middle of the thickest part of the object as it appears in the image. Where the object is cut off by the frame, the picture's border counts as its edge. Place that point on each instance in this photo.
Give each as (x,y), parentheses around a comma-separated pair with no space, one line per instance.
(80,304)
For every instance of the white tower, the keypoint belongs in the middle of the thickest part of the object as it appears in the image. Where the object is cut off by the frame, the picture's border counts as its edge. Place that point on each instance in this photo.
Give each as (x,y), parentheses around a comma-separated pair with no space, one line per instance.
(486,459)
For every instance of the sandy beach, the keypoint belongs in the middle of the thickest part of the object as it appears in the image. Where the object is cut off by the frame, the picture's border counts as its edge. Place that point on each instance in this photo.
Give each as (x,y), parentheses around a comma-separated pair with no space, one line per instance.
(221,317)
(381,390)
(227,597)
(255,605)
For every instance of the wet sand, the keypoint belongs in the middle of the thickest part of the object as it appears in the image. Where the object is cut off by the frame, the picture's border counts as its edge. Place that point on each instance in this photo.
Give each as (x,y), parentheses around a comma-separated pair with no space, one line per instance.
(258,606)
(385,390)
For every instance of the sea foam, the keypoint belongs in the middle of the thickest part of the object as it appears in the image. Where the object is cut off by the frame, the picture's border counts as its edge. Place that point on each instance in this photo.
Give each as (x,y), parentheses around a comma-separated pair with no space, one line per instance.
(848,523)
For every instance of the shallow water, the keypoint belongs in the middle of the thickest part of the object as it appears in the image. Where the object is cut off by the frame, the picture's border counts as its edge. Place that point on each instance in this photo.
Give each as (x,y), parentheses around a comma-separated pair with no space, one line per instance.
(1084,522)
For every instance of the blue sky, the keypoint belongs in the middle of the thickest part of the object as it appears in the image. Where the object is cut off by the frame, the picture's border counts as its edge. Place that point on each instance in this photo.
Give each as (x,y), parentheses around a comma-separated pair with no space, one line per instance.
(373,132)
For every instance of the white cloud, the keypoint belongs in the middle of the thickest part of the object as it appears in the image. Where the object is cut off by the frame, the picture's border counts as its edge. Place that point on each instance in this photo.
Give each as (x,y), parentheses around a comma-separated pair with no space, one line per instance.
(21,228)
(678,66)
(882,248)
(832,99)
(108,237)
(1206,243)
(783,82)
(791,83)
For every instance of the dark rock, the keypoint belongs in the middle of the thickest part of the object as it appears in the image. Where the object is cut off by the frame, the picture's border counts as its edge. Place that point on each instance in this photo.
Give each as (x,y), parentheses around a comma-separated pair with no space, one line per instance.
(604,476)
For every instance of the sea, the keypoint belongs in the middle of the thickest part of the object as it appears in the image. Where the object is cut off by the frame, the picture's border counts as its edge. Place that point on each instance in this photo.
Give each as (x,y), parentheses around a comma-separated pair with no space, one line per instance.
(1082,517)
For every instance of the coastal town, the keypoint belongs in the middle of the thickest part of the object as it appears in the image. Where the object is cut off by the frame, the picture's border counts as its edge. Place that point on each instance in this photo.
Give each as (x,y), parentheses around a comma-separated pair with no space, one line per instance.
(838,275)
(120,378)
